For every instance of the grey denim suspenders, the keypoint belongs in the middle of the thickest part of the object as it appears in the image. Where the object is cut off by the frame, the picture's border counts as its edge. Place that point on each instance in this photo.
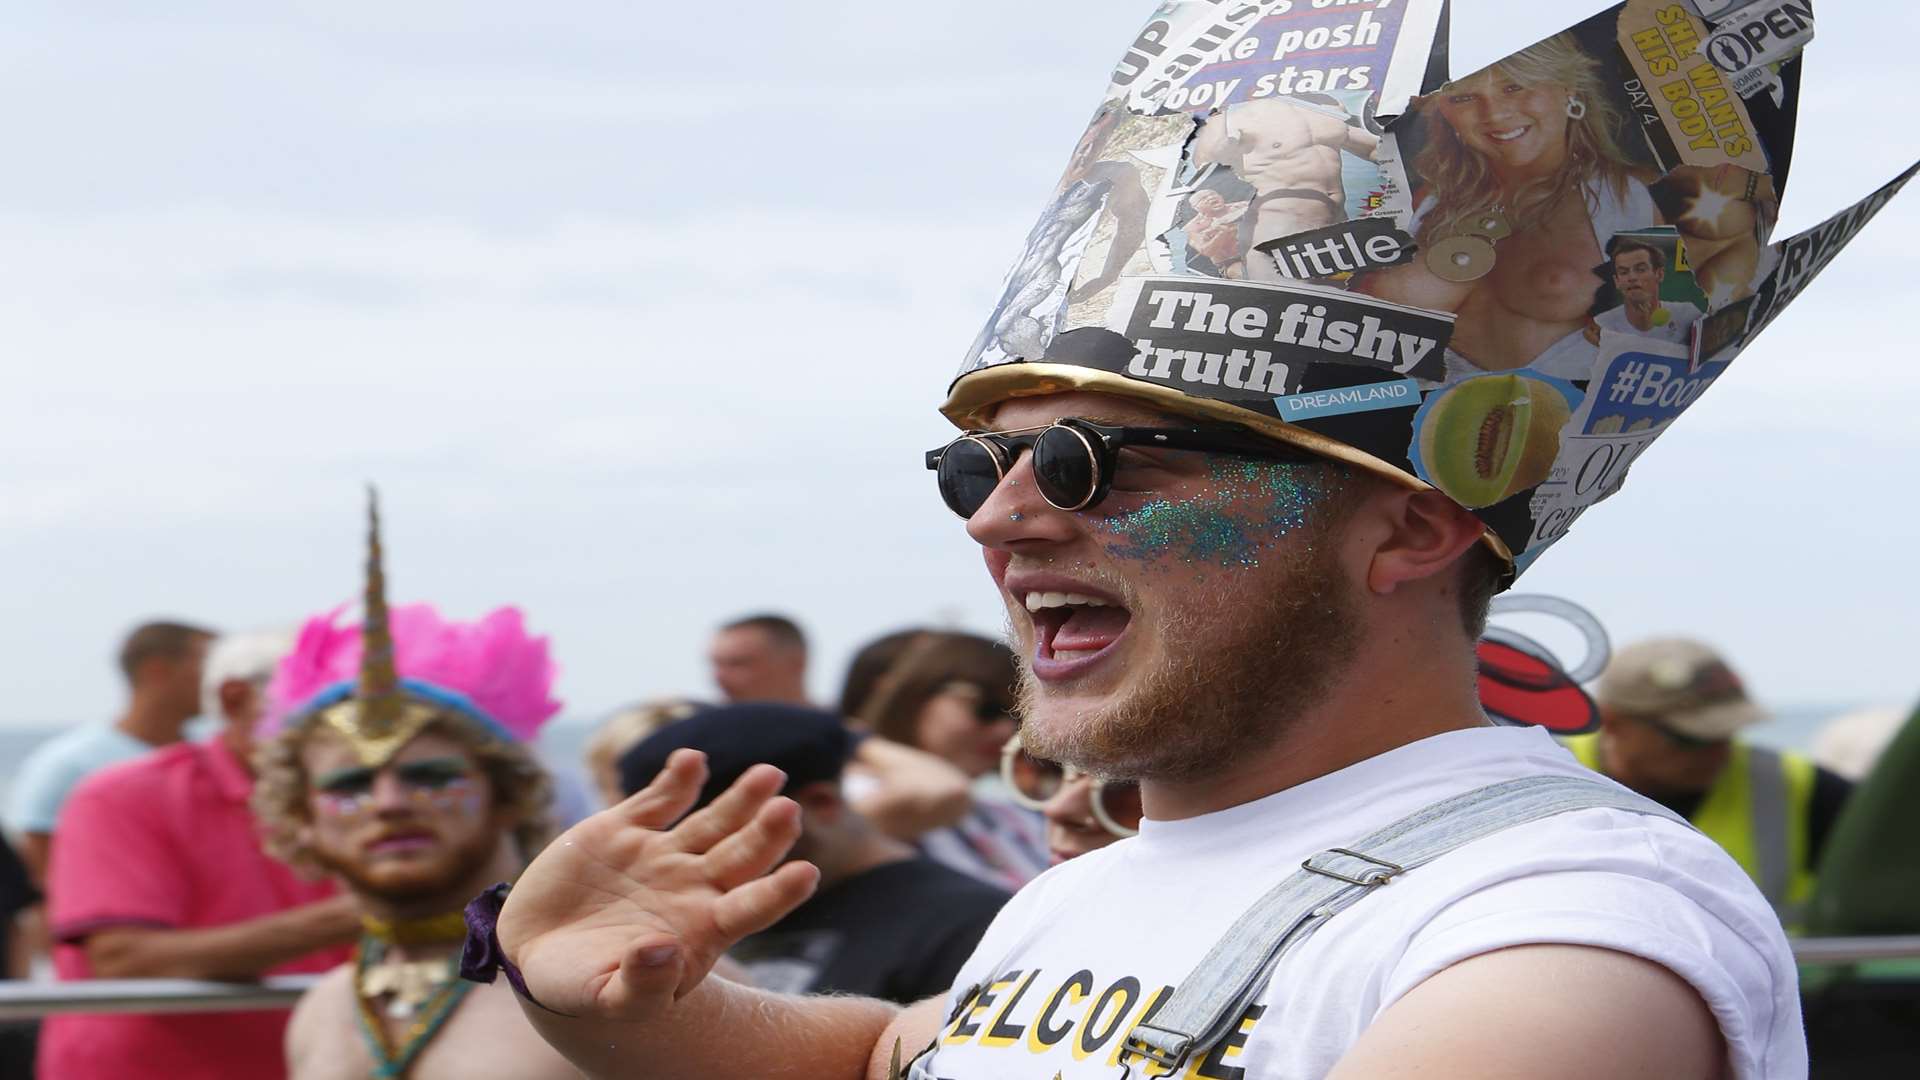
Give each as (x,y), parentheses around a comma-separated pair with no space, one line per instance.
(1208,1001)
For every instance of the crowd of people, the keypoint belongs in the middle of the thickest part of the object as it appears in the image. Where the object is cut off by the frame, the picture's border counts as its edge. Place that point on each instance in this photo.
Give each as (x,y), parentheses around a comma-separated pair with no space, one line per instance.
(142,854)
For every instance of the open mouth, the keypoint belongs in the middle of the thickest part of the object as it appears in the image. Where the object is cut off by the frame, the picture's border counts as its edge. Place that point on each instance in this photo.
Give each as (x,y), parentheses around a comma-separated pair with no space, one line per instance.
(1509,134)
(1073,631)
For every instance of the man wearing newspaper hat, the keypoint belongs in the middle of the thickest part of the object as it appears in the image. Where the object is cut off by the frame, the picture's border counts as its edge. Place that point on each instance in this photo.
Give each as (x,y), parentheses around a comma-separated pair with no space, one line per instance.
(1672,711)
(1246,533)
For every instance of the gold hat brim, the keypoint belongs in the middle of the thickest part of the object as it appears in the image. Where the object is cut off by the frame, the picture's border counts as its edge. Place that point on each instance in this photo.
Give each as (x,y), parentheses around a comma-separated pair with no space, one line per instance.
(972,397)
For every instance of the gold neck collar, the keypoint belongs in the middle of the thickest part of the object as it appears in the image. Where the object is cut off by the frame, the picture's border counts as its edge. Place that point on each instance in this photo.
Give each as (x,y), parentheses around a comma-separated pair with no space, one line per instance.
(442,929)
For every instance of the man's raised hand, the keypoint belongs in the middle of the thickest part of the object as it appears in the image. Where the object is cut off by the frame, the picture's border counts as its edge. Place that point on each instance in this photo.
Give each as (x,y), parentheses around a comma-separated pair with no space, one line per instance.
(627,911)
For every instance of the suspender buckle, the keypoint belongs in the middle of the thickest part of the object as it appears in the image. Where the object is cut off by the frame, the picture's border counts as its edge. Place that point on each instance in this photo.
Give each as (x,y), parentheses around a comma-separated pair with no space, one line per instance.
(1379,872)
(1171,1058)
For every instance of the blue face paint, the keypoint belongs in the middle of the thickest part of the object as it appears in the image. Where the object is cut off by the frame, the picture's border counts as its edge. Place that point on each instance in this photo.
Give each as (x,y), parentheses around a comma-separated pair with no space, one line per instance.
(1247,504)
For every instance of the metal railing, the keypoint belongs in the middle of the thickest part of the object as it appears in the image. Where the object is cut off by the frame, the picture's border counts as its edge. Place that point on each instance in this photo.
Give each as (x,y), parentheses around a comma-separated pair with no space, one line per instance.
(21,1000)
(1839,951)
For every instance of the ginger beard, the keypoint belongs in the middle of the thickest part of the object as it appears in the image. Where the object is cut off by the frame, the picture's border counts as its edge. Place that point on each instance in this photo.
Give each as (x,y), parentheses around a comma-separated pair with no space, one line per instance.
(1224,661)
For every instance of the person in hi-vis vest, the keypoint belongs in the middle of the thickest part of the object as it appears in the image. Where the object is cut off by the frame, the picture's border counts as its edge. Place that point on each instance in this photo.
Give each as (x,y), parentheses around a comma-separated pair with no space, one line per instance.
(1671,711)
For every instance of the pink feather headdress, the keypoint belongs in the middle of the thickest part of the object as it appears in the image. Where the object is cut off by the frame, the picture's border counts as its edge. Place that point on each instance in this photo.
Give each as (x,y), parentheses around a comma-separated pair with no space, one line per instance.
(492,663)
(378,683)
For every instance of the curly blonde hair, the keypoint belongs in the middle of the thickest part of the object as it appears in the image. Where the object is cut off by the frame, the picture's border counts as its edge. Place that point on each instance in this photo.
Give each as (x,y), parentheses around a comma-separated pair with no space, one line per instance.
(1463,183)
(621,732)
(279,799)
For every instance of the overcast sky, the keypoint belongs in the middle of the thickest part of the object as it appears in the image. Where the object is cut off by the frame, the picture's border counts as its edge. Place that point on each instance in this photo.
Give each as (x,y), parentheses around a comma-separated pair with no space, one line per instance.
(639,315)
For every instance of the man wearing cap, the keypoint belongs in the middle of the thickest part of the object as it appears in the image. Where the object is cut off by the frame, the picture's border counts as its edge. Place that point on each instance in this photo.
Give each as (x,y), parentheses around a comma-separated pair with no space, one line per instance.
(886,921)
(1266,615)
(1671,712)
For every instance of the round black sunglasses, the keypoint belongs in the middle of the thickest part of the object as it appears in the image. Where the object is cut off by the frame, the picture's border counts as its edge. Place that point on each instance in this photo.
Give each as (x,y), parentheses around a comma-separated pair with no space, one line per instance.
(1073,459)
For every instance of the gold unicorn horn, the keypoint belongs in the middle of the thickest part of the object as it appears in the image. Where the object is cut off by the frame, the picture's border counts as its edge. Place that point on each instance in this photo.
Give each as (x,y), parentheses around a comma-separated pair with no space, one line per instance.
(378,694)
(379,719)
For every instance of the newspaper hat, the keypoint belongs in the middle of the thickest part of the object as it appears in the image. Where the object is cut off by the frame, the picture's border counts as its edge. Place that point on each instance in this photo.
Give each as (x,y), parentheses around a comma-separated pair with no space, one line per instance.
(377,685)
(1504,286)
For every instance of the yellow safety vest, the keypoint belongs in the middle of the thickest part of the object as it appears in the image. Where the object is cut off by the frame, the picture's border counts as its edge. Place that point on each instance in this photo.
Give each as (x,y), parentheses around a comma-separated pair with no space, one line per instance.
(1759,810)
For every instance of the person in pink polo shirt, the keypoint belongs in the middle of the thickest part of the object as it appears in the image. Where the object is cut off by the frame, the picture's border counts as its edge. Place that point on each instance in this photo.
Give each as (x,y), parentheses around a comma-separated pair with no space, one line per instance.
(160,873)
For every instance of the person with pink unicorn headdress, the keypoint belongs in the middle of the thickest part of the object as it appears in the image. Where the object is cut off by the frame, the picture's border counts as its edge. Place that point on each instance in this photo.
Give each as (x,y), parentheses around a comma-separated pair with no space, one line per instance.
(399,760)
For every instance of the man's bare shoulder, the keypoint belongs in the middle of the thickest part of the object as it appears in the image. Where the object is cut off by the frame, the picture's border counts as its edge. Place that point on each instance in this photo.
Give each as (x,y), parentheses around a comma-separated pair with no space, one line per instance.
(1562,1008)
(323,1037)
(327,1000)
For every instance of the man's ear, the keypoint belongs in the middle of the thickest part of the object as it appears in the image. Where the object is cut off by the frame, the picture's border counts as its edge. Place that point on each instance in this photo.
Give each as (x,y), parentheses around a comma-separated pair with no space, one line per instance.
(1424,534)
(236,695)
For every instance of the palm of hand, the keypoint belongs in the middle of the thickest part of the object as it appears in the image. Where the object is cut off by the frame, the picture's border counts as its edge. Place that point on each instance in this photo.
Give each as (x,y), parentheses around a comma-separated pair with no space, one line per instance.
(628,911)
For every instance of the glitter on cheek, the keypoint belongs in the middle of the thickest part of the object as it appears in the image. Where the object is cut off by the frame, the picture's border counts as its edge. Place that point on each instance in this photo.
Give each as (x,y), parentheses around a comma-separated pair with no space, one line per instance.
(345,806)
(461,797)
(458,796)
(1247,505)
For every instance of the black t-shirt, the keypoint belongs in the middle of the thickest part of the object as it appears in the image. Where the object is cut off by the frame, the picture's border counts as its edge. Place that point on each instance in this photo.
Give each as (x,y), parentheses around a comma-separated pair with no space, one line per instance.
(1830,791)
(900,932)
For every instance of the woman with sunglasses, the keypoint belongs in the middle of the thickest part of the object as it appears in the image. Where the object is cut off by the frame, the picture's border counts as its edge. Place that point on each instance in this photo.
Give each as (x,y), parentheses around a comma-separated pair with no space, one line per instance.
(1083,812)
(951,695)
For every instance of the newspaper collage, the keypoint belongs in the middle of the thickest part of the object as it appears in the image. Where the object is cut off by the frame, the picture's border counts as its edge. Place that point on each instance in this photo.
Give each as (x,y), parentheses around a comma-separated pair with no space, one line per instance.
(1505,283)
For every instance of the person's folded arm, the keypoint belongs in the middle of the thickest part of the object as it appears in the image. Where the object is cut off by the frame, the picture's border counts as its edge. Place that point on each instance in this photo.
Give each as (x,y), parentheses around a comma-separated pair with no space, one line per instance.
(242,950)
(915,792)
